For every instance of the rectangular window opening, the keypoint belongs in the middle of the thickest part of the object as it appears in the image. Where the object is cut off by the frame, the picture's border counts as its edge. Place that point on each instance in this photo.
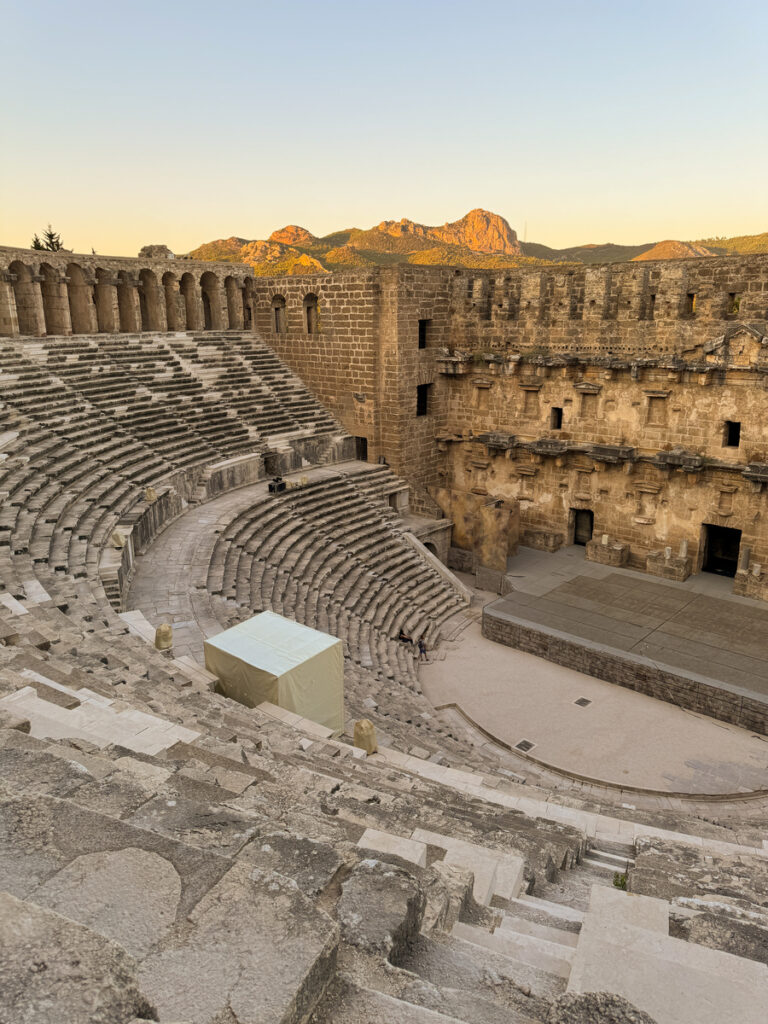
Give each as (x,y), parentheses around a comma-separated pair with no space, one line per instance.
(731,434)
(555,418)
(690,304)
(422,399)
(423,332)
(652,305)
(734,303)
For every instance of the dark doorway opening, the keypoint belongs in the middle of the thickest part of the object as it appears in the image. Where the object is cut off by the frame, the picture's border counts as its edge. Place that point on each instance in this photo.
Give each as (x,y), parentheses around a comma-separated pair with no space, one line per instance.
(583,525)
(721,550)
(361,449)
(207,315)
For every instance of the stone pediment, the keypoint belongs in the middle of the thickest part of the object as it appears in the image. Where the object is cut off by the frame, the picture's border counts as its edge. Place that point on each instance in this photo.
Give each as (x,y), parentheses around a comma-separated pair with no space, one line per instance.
(587,387)
(741,345)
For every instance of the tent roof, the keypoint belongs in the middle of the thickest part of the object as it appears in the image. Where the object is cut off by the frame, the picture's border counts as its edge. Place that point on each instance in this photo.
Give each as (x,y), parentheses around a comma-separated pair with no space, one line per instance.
(271,643)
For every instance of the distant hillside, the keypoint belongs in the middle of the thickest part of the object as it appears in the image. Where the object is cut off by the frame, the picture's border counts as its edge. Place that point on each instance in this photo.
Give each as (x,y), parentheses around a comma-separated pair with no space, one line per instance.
(672,250)
(738,244)
(607,252)
(481,240)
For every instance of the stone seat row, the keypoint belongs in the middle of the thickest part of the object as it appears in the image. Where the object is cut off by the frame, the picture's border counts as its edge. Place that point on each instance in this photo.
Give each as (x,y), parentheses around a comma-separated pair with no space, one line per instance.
(165,851)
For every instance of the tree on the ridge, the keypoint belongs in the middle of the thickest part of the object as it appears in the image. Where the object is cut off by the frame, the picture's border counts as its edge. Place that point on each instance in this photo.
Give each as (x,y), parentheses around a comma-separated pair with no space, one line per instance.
(51,240)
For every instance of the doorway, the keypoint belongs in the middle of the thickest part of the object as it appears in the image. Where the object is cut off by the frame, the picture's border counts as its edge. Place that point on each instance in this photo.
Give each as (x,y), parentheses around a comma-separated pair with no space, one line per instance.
(361,449)
(583,525)
(721,549)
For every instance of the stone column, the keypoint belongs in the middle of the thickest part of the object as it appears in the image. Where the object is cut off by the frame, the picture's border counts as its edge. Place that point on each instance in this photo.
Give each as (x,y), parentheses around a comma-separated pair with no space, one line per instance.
(236,322)
(36,313)
(9,321)
(130,307)
(56,303)
(90,284)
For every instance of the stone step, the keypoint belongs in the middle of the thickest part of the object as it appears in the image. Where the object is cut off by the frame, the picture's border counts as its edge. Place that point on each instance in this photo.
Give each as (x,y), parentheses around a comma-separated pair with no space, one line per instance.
(541,911)
(447,961)
(353,1004)
(522,926)
(552,957)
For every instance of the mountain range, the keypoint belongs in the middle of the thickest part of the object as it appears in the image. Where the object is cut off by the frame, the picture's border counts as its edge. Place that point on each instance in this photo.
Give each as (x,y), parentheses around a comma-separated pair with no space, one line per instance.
(479,240)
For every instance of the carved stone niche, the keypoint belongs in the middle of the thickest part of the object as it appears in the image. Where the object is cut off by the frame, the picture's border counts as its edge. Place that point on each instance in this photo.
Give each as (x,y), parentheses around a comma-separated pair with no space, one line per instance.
(741,345)
(645,512)
(587,387)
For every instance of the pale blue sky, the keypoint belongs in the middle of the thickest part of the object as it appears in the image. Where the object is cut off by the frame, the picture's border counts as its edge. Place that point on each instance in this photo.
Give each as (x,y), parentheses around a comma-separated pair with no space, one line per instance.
(172,122)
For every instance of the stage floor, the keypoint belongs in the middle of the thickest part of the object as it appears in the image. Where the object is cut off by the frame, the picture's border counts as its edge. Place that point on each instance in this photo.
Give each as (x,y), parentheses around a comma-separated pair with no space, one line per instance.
(622,737)
(698,627)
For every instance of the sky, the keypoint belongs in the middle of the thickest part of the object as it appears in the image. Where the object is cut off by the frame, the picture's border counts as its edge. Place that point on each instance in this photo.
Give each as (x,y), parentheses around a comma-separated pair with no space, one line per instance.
(583,121)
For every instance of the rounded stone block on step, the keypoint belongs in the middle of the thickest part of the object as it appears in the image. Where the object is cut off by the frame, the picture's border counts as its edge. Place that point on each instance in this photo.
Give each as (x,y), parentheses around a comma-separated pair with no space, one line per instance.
(164,637)
(365,736)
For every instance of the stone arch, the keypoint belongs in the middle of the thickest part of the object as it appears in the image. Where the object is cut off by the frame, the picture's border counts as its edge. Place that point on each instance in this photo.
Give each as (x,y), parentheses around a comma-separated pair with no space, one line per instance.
(310,313)
(80,296)
(278,314)
(28,298)
(105,299)
(55,301)
(248,304)
(126,301)
(149,301)
(211,292)
(233,289)
(431,547)
(173,312)
(188,288)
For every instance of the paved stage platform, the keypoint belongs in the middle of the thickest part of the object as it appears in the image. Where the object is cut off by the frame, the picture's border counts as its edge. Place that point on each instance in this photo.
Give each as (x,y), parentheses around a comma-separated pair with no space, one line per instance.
(697,627)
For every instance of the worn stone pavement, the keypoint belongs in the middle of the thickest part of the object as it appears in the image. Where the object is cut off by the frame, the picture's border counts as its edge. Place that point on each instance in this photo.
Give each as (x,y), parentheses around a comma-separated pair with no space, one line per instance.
(697,626)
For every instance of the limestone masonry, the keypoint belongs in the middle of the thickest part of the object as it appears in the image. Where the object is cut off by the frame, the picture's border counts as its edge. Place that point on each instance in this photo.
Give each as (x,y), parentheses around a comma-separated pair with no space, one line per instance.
(183,446)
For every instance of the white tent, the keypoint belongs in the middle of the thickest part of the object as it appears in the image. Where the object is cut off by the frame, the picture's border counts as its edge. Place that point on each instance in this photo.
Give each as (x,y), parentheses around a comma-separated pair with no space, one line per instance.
(275,659)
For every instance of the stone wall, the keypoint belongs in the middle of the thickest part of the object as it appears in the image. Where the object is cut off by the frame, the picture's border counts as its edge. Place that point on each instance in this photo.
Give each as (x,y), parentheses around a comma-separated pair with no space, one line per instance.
(62,293)
(604,389)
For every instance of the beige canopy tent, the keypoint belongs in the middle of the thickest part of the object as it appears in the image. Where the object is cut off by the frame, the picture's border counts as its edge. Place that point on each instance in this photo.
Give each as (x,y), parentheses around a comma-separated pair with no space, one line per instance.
(275,659)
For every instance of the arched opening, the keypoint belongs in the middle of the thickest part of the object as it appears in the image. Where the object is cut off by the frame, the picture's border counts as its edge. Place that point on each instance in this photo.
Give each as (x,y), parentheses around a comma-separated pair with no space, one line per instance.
(104,297)
(310,313)
(171,292)
(55,301)
(189,293)
(209,285)
(431,547)
(126,302)
(234,304)
(26,292)
(278,314)
(247,305)
(80,300)
(149,301)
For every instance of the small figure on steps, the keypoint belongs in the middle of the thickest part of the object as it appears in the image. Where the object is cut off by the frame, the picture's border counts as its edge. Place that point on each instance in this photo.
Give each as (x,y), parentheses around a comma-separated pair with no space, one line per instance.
(423,648)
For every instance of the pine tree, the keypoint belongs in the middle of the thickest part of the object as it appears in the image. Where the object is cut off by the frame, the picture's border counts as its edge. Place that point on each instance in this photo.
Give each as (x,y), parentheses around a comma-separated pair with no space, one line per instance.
(36,243)
(52,240)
